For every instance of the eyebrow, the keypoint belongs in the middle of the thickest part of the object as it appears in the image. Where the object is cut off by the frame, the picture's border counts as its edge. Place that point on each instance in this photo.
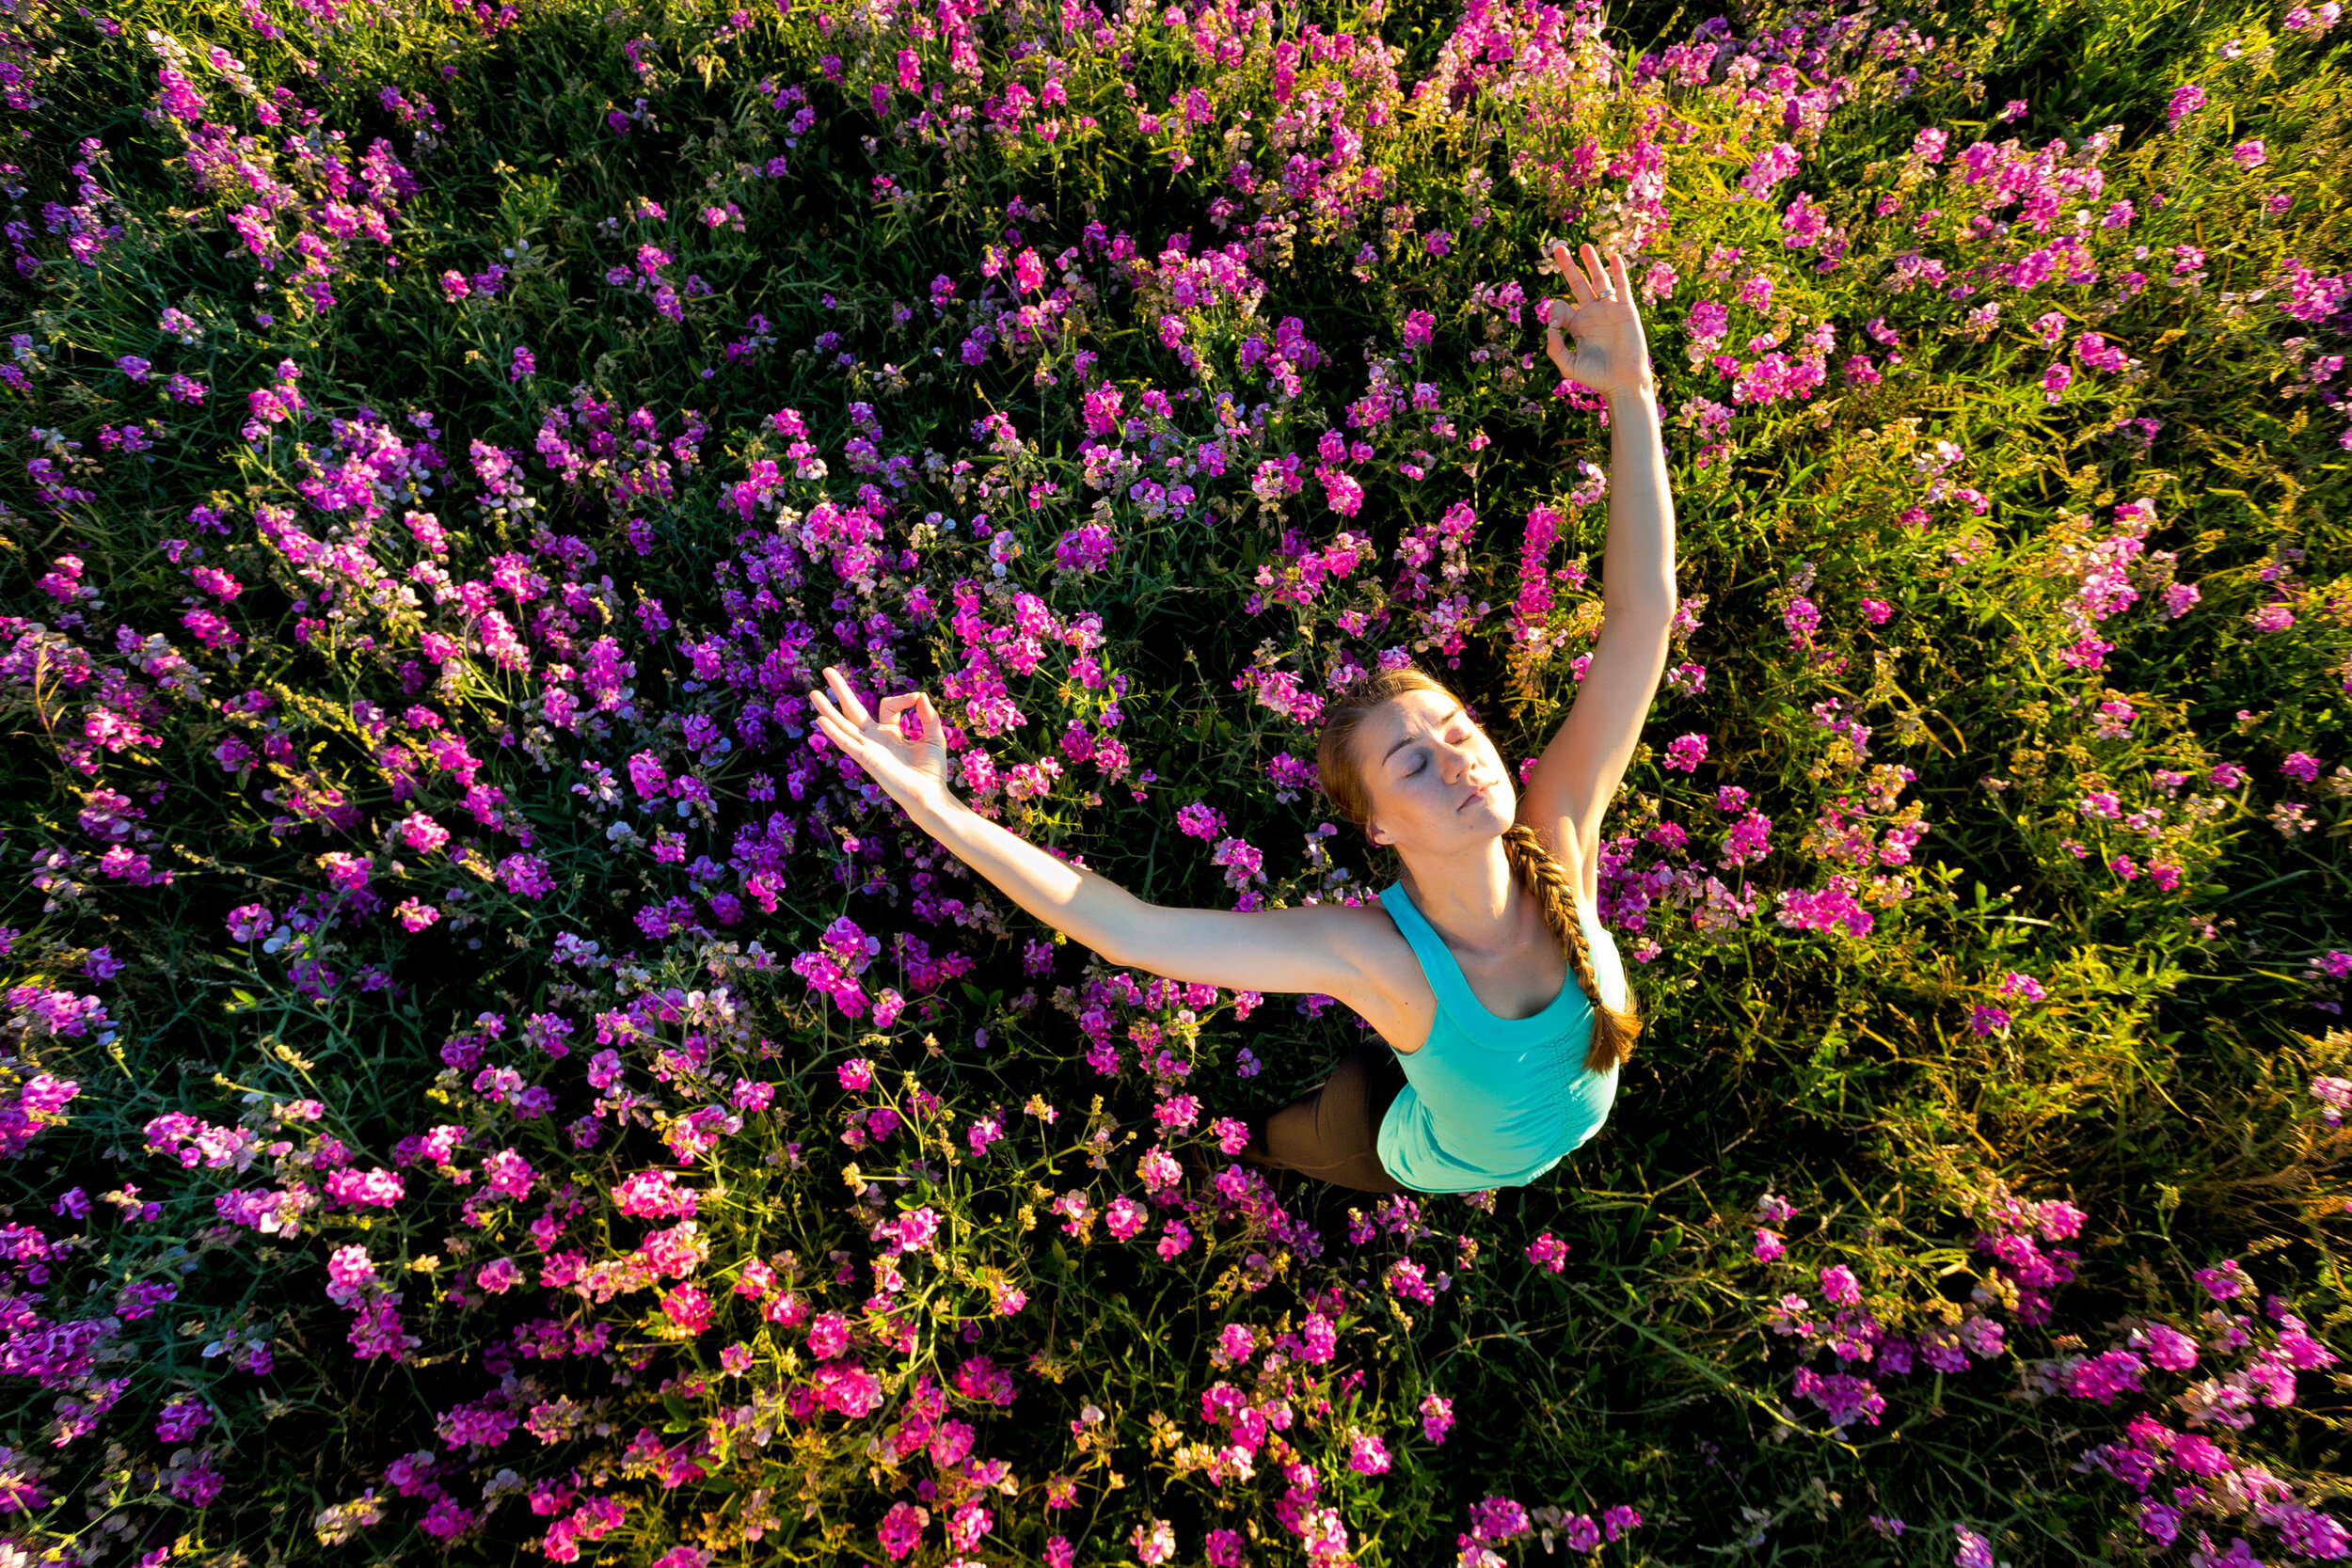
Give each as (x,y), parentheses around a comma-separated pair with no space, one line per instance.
(1408,739)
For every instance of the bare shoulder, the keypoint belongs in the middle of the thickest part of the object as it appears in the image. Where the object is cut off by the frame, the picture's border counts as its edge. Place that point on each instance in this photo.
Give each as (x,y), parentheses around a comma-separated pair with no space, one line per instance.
(1391,993)
(1351,952)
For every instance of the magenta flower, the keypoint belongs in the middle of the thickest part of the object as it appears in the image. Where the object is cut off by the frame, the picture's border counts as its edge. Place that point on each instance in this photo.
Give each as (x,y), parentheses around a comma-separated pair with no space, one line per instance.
(1685,753)
(1839,1286)
(2225,1280)
(1125,1217)
(901,1529)
(828,1336)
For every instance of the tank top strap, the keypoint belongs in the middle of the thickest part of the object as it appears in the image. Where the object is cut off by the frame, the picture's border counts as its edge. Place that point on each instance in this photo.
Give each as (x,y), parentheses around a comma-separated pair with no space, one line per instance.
(1437,963)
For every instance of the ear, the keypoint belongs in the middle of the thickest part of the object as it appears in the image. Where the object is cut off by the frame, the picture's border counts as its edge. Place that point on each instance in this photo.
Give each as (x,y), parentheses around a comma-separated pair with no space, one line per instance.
(1378,834)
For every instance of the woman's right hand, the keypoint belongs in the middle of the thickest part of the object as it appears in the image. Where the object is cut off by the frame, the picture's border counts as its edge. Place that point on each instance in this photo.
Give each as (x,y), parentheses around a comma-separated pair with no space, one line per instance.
(907,769)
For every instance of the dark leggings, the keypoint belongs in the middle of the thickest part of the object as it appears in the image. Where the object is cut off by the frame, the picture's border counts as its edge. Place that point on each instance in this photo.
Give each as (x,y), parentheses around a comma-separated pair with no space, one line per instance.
(1332,1134)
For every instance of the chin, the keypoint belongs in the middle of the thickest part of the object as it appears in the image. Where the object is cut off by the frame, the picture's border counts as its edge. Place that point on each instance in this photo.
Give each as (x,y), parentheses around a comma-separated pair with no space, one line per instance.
(1491,818)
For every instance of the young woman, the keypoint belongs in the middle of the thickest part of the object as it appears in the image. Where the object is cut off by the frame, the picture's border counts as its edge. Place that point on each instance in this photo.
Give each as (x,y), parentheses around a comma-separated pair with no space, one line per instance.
(1485,968)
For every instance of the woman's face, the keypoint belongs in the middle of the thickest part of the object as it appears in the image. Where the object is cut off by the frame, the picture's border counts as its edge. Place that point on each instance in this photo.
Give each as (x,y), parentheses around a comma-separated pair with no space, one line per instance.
(1437,784)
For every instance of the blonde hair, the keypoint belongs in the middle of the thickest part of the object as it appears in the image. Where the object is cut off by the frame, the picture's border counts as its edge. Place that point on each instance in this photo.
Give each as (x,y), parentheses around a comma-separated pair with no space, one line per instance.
(1343,781)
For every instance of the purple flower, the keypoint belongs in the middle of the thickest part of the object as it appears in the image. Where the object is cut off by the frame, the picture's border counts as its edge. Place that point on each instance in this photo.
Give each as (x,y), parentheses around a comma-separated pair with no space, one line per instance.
(1085,549)
(2167,1346)
(2225,1281)
(181,1419)
(1685,753)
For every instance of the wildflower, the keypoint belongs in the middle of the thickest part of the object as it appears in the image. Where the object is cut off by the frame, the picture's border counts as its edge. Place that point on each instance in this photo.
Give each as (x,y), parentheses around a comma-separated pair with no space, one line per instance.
(2225,1280)
(1154,1544)
(901,1529)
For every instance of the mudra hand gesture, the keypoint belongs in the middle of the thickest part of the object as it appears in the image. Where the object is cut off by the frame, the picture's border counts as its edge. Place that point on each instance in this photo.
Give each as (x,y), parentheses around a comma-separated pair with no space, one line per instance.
(906,767)
(1612,356)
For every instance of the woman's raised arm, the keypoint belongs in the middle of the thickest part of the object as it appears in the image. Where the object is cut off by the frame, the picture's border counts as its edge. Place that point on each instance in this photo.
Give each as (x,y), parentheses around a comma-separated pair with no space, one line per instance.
(1325,949)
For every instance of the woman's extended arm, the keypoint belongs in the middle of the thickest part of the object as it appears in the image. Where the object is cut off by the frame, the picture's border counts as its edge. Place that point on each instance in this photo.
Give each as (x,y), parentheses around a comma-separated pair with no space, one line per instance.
(1302,950)
(1577,774)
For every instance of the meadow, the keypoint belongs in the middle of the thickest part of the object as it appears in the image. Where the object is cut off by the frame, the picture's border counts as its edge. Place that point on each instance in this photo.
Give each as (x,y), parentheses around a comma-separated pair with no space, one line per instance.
(483,1081)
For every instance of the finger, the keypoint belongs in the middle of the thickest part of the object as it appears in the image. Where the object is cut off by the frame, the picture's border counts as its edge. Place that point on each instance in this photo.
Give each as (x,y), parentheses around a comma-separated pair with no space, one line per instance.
(822,710)
(1579,284)
(932,728)
(1624,275)
(1595,270)
(892,707)
(846,699)
(844,738)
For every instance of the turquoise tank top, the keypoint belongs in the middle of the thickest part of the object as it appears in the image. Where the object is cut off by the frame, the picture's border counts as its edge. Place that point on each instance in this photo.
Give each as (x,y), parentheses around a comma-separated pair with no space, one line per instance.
(1495,1102)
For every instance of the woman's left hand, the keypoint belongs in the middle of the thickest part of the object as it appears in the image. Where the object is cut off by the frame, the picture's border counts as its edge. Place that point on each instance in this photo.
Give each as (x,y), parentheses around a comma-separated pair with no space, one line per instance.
(1612,355)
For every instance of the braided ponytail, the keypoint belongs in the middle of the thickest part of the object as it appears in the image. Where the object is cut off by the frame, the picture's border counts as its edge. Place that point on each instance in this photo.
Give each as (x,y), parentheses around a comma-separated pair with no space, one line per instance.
(1614,1031)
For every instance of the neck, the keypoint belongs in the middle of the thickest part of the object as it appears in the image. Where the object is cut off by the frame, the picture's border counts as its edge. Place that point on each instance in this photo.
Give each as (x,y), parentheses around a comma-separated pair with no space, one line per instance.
(1472,900)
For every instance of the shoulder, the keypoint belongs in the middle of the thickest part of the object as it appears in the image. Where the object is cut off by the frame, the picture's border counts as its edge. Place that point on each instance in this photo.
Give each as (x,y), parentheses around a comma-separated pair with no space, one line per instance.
(1366,932)
(1387,986)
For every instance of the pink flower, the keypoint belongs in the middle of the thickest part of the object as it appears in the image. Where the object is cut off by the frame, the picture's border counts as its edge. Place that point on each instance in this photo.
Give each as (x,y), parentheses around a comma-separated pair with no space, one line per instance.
(1548,1251)
(1155,1545)
(688,1307)
(828,1336)
(2167,1346)
(656,1195)
(901,1529)
(917,1227)
(1028,272)
(1125,1217)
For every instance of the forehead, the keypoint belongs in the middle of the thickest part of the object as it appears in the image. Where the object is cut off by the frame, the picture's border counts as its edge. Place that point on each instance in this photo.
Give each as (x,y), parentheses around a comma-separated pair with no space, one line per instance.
(1414,714)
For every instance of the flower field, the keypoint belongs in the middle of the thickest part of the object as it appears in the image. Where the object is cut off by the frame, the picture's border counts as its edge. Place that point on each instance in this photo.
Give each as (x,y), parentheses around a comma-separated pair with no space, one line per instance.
(484,1080)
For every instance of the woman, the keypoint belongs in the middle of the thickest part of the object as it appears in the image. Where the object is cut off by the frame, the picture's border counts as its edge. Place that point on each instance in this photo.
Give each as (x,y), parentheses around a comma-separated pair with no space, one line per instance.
(1502,1000)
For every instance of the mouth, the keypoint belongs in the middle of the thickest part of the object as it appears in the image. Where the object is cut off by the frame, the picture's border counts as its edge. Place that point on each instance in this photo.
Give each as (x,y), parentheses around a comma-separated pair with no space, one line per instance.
(1479,794)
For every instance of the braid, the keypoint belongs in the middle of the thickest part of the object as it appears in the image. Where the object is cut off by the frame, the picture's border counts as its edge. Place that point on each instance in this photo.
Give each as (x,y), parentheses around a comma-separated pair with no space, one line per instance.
(1613,1031)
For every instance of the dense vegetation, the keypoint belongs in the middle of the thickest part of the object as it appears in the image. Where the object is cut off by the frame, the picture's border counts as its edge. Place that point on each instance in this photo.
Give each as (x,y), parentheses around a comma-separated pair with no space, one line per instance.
(483,1079)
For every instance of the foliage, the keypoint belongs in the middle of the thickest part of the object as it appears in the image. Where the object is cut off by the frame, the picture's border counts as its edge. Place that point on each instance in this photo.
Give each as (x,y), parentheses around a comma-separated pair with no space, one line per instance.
(483,1078)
